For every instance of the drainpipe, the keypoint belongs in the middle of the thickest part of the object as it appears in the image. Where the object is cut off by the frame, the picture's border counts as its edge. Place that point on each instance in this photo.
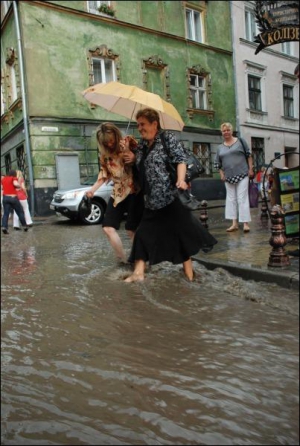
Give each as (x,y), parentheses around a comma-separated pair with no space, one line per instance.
(234,70)
(24,107)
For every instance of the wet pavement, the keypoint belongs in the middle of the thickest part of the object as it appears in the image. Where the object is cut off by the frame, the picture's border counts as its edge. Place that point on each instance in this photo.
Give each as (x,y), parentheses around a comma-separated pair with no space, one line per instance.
(87,359)
(247,255)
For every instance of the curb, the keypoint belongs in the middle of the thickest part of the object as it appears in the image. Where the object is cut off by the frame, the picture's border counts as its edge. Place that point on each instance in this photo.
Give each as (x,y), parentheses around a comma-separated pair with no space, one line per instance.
(287,280)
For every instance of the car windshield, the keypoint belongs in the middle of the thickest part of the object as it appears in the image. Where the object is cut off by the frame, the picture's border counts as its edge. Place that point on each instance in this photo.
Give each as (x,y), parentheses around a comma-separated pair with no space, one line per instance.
(91,180)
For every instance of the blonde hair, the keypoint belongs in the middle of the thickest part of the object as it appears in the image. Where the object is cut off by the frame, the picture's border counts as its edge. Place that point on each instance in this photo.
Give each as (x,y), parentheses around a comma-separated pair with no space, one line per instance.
(105,133)
(19,175)
(226,124)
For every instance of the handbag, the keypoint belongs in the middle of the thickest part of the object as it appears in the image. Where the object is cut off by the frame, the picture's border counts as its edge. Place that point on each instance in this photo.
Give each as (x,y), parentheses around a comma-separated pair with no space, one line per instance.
(253,194)
(188,200)
(194,167)
(85,206)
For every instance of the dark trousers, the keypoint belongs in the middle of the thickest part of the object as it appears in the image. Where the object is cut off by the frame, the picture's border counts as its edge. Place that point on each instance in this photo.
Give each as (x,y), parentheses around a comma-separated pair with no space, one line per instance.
(12,204)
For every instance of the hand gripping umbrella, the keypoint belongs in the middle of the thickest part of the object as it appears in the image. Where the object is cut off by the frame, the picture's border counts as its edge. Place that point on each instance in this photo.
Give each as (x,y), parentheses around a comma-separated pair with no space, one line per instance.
(127,100)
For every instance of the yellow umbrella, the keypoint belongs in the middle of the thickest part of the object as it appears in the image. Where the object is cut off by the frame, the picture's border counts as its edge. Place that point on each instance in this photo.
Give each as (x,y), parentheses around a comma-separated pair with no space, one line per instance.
(127,100)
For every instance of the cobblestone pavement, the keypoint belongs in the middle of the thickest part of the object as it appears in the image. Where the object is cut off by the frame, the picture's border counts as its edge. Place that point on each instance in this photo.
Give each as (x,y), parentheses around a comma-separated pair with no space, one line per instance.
(247,255)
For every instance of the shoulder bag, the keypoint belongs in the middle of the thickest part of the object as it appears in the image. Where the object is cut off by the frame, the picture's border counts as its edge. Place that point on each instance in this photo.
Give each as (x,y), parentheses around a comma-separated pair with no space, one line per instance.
(253,188)
(188,200)
(245,152)
(194,167)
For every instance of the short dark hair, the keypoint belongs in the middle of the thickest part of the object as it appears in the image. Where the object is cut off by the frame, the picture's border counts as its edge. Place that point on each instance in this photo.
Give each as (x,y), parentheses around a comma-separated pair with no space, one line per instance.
(150,114)
(12,173)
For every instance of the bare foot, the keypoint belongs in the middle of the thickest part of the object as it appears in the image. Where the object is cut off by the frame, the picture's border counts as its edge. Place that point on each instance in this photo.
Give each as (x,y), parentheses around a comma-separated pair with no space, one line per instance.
(189,277)
(135,277)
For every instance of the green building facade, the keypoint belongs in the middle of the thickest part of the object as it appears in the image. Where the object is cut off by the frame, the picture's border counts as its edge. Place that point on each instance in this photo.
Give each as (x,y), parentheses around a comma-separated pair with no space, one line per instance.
(179,50)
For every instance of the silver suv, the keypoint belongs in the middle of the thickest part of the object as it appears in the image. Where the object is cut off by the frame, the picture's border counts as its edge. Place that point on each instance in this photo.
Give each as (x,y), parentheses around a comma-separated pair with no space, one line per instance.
(67,202)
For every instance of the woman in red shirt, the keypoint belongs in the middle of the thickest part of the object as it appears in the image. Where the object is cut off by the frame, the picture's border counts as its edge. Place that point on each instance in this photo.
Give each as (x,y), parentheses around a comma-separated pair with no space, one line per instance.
(10,200)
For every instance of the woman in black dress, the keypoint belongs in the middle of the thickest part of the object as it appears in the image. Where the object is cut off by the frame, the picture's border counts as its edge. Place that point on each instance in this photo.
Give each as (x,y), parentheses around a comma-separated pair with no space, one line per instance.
(168,231)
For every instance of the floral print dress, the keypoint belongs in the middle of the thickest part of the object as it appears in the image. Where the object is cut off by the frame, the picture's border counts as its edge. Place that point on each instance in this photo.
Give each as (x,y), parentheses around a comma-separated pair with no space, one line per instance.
(113,168)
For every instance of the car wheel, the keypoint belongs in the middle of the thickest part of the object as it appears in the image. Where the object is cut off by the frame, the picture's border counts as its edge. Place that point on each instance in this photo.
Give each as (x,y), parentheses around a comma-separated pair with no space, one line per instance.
(96,216)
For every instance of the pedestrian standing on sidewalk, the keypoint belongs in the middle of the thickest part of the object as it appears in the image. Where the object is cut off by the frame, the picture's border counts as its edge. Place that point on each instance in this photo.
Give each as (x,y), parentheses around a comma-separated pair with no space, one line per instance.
(234,161)
(10,185)
(23,198)
(126,196)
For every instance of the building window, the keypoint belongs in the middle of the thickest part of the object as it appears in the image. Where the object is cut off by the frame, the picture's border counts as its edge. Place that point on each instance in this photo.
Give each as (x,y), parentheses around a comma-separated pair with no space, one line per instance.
(3,104)
(93,6)
(13,84)
(103,70)
(21,160)
(198,91)
(103,65)
(250,25)
(4,8)
(288,101)
(254,93)
(287,48)
(194,25)
(7,160)
(258,153)
(203,152)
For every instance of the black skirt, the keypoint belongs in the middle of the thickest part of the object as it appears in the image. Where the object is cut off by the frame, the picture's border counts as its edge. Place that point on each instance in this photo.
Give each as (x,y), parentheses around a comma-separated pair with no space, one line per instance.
(171,234)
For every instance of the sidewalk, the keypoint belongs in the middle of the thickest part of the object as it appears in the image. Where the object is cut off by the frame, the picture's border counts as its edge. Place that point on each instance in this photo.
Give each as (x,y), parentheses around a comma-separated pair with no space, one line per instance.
(247,255)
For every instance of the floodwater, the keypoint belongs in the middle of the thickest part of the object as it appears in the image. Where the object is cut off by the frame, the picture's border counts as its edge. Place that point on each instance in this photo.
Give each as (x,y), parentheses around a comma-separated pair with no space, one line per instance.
(89,360)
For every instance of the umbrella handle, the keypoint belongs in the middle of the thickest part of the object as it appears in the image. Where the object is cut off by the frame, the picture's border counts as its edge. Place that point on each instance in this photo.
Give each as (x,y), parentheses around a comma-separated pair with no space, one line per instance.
(126,133)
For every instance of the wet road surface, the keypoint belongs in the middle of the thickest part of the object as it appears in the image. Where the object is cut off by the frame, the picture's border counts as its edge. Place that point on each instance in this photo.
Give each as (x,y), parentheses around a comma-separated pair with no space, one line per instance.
(87,359)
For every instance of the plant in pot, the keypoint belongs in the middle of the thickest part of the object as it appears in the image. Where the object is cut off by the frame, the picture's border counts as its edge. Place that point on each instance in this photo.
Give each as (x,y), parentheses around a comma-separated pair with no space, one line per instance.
(106,9)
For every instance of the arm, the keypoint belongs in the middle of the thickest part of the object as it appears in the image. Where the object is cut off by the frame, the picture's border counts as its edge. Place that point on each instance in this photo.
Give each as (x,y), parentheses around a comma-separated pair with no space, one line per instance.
(16,184)
(181,171)
(128,146)
(222,174)
(248,156)
(218,165)
(250,165)
(96,185)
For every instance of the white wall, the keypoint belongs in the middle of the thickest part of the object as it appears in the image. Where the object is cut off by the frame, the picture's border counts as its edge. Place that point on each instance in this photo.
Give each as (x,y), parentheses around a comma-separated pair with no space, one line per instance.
(274,67)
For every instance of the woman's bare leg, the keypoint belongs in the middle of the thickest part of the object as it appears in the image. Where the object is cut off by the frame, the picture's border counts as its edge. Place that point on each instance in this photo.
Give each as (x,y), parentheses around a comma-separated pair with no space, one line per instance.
(115,242)
(130,234)
(188,269)
(138,274)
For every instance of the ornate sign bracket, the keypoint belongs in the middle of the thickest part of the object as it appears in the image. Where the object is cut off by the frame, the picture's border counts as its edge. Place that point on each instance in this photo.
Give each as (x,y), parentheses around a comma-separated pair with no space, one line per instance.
(278,22)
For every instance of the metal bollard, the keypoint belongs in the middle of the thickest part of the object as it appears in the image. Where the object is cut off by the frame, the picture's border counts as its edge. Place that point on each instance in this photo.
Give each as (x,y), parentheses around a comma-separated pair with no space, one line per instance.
(278,256)
(203,213)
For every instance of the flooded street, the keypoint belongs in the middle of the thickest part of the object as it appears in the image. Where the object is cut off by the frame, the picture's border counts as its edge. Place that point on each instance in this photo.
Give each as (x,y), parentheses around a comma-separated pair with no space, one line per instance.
(89,360)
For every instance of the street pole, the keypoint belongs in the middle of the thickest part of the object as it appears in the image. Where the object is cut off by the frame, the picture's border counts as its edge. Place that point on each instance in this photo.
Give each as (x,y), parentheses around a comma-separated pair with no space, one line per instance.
(24,107)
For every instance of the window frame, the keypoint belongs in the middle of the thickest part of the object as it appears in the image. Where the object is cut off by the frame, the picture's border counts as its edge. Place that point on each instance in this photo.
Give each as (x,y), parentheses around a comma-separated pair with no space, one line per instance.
(191,32)
(288,102)
(200,92)
(251,28)
(206,160)
(255,92)
(287,48)
(103,61)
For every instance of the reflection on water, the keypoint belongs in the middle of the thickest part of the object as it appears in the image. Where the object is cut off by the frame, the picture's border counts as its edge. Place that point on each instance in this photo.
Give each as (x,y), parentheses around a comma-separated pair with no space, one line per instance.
(87,359)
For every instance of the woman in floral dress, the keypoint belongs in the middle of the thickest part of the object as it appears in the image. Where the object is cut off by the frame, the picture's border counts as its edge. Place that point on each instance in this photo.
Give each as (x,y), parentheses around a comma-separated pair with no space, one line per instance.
(126,196)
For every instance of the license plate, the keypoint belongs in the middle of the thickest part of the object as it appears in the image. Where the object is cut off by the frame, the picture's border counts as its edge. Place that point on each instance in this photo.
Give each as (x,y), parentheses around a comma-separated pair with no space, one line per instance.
(52,207)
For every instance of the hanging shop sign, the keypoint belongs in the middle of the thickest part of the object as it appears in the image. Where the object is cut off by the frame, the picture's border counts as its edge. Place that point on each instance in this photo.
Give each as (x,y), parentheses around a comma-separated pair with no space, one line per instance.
(277,21)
